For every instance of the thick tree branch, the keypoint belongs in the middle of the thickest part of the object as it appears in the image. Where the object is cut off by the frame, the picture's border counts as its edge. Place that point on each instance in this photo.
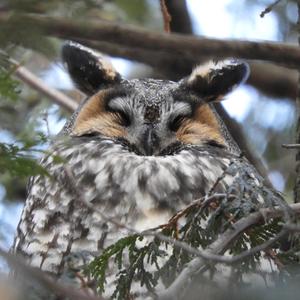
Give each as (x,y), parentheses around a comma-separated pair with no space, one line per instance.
(187,46)
(273,80)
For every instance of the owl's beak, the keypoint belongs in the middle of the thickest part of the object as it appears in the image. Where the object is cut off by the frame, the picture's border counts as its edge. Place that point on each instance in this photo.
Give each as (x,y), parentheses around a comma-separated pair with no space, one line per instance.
(150,140)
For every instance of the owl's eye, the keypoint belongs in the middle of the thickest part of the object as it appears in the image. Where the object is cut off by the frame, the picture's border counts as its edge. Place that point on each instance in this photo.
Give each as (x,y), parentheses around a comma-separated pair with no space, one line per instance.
(118,106)
(176,122)
(122,117)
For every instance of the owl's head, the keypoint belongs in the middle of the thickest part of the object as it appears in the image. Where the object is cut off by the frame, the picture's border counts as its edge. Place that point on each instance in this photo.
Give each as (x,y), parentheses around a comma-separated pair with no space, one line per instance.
(153,117)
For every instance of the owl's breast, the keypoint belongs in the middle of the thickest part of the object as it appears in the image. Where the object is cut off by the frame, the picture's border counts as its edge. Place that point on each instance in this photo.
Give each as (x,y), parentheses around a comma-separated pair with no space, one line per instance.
(110,174)
(139,191)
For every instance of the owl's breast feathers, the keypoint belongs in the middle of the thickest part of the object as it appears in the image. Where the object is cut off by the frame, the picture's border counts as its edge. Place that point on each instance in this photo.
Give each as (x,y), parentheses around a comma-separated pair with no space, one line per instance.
(140,191)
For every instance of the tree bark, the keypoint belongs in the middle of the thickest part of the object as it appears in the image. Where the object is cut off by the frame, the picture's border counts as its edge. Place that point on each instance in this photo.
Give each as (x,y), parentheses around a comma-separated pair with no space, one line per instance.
(297,181)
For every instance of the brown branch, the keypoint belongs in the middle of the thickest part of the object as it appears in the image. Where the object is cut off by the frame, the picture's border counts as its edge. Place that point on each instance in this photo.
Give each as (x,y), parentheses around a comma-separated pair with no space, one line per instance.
(37,84)
(180,19)
(166,16)
(187,46)
(272,80)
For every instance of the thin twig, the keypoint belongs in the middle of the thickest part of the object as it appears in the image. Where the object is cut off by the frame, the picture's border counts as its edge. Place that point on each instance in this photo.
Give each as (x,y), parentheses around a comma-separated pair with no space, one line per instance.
(269,8)
(291,146)
(166,16)
(203,202)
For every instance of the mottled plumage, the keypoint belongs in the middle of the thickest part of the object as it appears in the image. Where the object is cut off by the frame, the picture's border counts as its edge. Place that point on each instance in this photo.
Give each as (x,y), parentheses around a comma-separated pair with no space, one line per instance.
(137,150)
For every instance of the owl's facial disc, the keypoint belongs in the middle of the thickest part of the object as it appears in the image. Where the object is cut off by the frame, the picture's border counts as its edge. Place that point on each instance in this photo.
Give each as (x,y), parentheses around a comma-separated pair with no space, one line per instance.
(159,128)
(152,116)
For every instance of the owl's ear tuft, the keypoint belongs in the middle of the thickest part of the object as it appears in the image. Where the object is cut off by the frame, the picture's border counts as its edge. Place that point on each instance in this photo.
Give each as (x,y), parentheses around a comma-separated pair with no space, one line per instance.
(214,80)
(89,70)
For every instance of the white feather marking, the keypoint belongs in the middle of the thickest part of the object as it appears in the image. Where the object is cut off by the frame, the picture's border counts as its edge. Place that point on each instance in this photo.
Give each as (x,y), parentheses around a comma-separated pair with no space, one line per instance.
(204,70)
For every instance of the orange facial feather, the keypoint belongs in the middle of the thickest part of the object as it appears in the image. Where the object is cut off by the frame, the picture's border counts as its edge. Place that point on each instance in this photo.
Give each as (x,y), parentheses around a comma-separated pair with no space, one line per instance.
(202,127)
(94,118)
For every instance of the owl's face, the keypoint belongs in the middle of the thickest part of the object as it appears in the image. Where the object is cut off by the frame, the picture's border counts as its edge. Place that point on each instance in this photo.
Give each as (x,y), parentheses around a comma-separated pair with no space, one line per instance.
(151,117)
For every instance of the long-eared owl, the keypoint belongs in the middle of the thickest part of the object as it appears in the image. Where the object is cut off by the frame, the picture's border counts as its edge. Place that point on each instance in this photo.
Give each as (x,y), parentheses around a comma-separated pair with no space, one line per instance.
(136,150)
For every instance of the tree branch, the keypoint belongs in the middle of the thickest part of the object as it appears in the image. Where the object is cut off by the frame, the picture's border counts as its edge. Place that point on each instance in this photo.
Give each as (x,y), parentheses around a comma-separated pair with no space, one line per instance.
(180,22)
(37,84)
(297,169)
(220,246)
(187,46)
(166,16)
(270,79)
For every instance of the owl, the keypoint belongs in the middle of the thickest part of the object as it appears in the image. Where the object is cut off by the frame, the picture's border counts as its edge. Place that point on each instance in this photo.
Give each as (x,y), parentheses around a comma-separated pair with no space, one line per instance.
(135,153)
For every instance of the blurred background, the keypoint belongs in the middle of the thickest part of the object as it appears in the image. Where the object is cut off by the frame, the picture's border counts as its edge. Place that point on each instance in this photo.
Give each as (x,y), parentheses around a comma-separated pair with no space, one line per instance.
(261,114)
